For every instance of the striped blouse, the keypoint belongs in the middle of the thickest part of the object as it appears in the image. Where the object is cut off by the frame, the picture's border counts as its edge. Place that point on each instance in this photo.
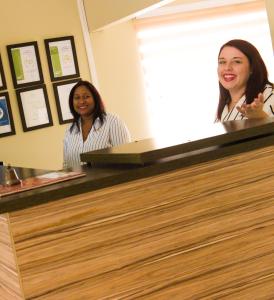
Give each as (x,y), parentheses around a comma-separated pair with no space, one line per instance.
(111,133)
(268,106)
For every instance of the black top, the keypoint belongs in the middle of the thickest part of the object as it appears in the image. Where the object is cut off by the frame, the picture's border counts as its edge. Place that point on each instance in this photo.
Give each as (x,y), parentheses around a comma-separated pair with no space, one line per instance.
(222,140)
(151,150)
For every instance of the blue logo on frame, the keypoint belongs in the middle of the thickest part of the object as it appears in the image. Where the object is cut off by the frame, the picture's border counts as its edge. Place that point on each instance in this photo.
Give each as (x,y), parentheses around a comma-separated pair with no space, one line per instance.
(4,116)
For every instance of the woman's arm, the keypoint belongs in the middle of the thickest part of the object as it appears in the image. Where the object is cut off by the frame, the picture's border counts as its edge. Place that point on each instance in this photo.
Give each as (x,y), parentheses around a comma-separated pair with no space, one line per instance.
(254,110)
(65,152)
(119,133)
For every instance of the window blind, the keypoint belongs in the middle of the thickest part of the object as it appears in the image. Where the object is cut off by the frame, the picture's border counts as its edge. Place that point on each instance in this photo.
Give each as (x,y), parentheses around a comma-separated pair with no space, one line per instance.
(179,61)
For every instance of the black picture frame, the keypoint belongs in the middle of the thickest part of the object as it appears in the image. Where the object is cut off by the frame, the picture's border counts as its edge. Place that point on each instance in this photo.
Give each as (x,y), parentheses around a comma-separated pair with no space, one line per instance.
(61,92)
(62,58)
(6,120)
(25,64)
(3,84)
(34,107)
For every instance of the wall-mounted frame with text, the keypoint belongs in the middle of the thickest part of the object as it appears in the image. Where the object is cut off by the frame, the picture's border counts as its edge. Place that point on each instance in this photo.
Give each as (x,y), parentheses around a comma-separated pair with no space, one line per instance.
(61,91)
(25,64)
(62,58)
(3,85)
(34,107)
(6,120)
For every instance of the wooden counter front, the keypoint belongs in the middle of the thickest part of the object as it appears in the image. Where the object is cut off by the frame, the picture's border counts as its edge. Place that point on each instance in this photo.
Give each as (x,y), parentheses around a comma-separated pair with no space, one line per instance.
(205,231)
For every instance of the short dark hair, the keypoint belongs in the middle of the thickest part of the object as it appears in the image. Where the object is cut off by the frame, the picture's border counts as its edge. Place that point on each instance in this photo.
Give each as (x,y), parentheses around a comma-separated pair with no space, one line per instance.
(99,110)
(258,77)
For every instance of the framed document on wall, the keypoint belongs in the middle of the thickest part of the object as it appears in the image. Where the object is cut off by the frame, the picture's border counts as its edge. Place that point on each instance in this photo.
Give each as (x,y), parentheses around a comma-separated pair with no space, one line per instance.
(62,58)
(6,120)
(34,107)
(61,91)
(3,85)
(25,64)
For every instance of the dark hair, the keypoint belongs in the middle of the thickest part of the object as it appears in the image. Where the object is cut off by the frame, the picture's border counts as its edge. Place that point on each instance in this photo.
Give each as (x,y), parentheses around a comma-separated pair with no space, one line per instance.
(257,79)
(99,110)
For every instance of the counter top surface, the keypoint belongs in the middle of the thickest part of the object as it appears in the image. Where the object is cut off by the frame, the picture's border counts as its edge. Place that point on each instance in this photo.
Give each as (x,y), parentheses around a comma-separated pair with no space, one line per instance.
(247,135)
(150,150)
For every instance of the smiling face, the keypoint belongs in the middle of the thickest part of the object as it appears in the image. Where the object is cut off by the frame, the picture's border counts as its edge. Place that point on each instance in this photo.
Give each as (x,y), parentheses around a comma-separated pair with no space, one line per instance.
(83,101)
(233,70)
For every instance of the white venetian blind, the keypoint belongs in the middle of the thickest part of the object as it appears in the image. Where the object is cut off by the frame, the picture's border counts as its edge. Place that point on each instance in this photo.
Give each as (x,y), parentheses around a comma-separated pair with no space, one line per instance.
(179,61)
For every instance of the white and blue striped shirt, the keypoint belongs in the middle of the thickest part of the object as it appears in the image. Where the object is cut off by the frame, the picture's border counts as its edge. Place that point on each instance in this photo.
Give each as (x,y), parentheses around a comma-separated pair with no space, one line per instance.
(111,133)
(268,107)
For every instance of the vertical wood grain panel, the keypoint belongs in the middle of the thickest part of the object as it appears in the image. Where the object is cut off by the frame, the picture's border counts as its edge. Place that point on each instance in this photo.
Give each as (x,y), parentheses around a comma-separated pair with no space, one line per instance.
(203,232)
(10,288)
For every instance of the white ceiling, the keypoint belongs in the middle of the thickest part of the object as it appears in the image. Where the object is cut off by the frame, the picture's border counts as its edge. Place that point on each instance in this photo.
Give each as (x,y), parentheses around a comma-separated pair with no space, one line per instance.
(190,5)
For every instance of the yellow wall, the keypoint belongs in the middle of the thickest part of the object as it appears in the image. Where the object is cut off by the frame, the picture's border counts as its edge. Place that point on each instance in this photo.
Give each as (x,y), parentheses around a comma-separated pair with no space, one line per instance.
(270,12)
(119,75)
(117,65)
(120,81)
(32,20)
(118,69)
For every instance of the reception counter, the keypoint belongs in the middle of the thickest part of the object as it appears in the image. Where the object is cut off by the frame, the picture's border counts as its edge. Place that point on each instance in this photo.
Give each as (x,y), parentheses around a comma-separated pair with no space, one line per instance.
(194,220)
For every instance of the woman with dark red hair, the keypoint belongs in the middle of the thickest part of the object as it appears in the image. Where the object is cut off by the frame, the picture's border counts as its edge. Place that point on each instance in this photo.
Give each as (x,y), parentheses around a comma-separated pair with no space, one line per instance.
(245,91)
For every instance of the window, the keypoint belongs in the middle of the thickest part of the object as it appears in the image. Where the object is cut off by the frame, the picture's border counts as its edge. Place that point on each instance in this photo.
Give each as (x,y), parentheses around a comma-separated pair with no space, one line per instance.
(179,60)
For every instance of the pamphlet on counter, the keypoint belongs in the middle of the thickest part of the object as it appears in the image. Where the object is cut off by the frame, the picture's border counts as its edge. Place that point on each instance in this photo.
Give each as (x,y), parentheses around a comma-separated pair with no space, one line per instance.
(39,181)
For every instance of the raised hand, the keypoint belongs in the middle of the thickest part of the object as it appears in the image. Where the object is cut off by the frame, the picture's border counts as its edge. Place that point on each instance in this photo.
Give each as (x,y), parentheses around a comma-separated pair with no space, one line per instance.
(253,110)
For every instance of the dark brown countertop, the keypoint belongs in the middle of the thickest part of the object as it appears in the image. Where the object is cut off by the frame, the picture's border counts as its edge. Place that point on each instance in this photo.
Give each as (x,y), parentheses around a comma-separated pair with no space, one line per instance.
(151,150)
(235,137)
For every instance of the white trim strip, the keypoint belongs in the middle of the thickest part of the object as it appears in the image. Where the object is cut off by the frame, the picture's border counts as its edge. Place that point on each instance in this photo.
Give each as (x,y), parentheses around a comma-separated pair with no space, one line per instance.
(87,40)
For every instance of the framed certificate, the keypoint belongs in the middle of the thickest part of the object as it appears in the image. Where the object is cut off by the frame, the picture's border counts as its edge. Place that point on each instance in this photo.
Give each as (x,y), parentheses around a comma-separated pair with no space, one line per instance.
(3,85)
(62,58)
(25,64)
(6,120)
(61,92)
(34,107)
